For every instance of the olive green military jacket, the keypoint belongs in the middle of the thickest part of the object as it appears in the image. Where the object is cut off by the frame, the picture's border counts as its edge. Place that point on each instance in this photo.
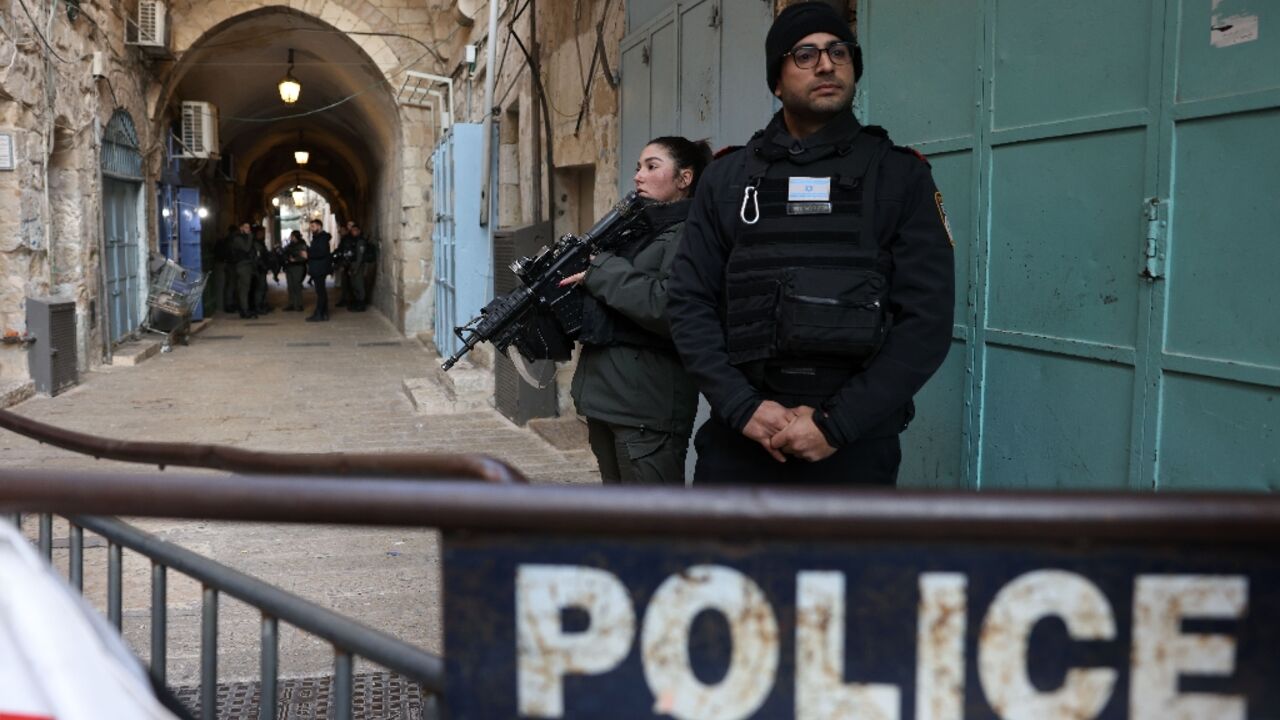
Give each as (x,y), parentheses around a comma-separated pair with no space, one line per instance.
(627,384)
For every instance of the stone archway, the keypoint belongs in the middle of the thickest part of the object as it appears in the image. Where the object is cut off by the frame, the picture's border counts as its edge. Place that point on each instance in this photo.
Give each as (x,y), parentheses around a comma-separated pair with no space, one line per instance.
(367,147)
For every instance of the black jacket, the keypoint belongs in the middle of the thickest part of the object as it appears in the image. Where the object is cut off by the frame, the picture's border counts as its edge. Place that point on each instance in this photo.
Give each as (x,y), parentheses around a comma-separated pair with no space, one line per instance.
(912,235)
(318,255)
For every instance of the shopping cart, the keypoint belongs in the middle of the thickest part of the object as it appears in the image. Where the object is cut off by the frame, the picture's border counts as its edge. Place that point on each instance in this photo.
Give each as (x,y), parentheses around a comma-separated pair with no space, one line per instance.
(173,294)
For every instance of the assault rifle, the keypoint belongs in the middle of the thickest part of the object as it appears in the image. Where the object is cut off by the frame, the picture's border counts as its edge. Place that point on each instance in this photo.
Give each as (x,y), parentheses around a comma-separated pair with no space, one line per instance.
(539,317)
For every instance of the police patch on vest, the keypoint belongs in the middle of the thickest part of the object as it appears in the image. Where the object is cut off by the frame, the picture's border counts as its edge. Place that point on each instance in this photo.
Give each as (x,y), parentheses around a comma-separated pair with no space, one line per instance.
(808,208)
(942,213)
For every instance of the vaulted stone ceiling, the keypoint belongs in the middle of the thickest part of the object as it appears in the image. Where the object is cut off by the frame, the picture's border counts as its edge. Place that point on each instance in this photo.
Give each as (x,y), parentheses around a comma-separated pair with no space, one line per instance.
(346,112)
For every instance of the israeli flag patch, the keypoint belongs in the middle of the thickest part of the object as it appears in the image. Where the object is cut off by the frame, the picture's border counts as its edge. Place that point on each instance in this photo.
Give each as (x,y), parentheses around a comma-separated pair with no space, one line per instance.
(809,189)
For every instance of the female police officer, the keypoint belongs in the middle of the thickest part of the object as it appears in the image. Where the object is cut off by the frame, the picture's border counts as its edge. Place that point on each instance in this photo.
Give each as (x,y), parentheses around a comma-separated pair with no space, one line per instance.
(637,399)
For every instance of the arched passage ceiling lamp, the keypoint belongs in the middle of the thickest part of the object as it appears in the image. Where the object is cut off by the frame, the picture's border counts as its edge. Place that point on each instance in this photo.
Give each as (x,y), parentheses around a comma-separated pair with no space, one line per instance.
(299,194)
(301,156)
(290,88)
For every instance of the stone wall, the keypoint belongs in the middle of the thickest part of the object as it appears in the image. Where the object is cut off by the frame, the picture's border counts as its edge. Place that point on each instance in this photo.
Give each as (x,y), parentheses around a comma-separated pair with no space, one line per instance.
(50,205)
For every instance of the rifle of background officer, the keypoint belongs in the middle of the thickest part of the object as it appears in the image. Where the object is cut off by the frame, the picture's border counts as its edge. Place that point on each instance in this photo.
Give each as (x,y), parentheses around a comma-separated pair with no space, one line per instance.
(812,294)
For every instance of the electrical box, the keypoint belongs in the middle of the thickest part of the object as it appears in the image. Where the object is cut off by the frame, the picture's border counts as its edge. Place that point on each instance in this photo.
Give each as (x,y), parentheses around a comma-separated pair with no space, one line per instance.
(51,359)
(513,397)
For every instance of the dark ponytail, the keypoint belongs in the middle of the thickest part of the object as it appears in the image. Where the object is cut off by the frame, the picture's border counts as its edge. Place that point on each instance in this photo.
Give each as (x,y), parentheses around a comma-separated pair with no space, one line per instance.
(687,155)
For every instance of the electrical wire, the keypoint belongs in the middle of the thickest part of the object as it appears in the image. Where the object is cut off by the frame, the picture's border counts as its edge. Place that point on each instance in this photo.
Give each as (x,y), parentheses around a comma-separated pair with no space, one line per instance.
(342,101)
(35,26)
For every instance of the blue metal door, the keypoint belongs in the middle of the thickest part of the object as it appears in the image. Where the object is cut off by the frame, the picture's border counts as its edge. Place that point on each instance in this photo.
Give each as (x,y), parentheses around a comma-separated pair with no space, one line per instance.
(122,257)
(443,245)
(123,262)
(1062,134)
(190,250)
(462,256)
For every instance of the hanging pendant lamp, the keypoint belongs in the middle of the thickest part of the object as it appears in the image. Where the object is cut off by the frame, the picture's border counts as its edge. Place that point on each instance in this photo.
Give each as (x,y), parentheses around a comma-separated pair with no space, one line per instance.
(290,88)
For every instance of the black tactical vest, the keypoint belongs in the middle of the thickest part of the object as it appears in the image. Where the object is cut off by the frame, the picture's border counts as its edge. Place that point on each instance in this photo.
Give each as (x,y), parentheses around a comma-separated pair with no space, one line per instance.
(805,279)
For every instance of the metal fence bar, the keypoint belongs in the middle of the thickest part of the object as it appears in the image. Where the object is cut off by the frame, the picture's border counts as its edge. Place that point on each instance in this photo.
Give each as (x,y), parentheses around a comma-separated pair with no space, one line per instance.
(115,571)
(75,573)
(159,621)
(209,655)
(342,632)
(46,536)
(341,698)
(267,699)
(733,512)
(221,457)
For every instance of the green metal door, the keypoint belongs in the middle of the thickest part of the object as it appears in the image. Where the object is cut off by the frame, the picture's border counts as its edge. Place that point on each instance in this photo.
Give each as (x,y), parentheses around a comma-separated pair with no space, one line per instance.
(1111,237)
(1215,375)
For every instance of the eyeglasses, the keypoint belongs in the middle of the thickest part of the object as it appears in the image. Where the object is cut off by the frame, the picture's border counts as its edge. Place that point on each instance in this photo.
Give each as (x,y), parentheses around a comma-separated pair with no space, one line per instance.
(806,56)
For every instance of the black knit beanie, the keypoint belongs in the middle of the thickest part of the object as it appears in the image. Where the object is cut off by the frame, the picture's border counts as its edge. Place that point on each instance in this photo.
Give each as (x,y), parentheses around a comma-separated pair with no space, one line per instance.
(797,22)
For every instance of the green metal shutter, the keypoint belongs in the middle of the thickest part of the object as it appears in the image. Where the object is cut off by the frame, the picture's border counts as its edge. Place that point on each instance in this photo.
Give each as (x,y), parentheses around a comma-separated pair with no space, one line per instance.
(1106,169)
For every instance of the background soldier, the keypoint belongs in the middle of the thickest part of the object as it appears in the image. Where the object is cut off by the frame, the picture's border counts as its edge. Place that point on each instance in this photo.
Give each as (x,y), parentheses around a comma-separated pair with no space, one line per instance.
(261,267)
(342,264)
(364,258)
(826,249)
(295,269)
(242,256)
(319,266)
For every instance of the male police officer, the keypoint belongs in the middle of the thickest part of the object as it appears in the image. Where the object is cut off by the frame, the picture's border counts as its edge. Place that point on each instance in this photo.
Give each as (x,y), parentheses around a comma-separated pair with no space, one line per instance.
(812,294)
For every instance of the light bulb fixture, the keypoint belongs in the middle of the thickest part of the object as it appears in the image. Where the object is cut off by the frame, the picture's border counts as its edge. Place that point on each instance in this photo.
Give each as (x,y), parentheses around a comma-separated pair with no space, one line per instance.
(301,156)
(290,88)
(275,201)
(299,197)
(202,212)
(164,212)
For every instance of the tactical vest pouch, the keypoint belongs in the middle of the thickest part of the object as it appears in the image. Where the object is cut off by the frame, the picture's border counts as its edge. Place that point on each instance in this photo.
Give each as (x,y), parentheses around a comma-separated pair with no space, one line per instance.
(542,338)
(831,312)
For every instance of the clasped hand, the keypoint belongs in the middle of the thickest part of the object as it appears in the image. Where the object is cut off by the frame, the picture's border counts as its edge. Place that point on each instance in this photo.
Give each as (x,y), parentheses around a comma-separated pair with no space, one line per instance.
(783,431)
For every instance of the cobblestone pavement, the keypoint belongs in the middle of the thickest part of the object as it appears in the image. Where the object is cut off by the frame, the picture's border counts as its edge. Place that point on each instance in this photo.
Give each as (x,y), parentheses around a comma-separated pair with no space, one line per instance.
(279,383)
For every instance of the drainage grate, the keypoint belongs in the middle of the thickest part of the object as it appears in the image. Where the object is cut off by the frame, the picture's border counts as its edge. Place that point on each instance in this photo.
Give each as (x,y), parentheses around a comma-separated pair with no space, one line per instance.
(375,696)
(221,337)
(383,343)
(307,344)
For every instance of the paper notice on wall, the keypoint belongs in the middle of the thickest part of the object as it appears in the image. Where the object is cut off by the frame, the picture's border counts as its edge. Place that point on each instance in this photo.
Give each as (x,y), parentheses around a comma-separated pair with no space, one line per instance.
(1233,30)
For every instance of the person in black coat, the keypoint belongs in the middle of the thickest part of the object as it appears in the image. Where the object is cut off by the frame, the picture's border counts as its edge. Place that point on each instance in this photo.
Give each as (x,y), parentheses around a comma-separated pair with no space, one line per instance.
(319,265)
(812,294)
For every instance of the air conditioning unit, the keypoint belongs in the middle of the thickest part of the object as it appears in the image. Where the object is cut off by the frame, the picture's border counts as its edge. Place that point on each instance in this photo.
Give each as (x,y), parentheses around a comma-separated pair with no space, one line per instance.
(199,130)
(150,29)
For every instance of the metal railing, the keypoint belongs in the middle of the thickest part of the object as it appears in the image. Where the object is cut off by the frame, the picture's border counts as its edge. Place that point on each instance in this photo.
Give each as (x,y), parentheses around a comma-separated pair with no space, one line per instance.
(420,466)
(760,514)
(348,637)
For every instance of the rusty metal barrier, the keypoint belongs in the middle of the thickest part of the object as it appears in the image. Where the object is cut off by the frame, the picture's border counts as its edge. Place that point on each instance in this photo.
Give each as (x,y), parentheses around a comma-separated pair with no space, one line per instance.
(635,602)
(230,459)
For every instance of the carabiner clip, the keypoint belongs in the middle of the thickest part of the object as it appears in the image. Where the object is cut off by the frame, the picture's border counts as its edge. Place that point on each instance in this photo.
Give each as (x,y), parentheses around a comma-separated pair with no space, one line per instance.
(749,195)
